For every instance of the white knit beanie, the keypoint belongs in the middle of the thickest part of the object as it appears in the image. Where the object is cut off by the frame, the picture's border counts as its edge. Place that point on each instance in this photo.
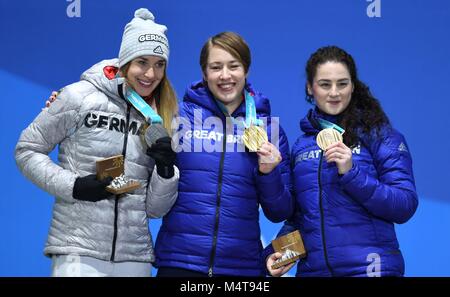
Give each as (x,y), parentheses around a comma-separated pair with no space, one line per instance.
(142,37)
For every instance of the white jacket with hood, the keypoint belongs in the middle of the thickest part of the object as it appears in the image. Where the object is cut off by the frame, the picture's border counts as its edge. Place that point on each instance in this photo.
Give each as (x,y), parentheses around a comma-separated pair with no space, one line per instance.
(91,121)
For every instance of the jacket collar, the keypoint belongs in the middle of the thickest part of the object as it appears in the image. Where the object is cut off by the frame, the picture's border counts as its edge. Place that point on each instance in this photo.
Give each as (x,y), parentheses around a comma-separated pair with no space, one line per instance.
(310,124)
(199,94)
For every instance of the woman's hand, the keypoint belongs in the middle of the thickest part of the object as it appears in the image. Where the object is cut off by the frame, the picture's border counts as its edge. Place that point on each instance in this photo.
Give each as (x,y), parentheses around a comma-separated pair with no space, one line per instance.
(279,271)
(268,157)
(51,98)
(161,151)
(340,154)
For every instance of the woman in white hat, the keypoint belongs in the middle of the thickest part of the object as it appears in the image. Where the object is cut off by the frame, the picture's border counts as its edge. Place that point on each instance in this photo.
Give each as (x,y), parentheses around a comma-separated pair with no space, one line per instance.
(94,232)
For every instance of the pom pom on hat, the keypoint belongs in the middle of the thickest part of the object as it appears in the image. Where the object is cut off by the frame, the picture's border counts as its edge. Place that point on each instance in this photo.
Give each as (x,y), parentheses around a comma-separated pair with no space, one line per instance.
(144,13)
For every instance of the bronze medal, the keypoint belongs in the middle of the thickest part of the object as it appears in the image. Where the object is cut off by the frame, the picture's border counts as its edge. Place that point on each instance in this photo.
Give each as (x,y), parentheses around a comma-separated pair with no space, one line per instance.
(254,137)
(328,136)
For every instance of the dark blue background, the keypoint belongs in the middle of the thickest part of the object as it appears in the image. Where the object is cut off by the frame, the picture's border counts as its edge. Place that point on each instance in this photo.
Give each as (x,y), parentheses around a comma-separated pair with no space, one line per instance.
(403,56)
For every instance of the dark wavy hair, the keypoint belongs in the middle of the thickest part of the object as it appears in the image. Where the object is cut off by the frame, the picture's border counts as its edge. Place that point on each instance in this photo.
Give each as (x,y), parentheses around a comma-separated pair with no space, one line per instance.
(364,112)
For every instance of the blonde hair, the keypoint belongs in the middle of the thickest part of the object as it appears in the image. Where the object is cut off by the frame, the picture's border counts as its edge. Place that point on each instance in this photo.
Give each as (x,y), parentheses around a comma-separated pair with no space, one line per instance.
(166,99)
(166,102)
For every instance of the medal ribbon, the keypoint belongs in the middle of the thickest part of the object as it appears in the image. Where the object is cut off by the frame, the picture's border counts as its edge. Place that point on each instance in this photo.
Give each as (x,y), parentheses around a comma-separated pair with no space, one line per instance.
(250,112)
(146,110)
(326,124)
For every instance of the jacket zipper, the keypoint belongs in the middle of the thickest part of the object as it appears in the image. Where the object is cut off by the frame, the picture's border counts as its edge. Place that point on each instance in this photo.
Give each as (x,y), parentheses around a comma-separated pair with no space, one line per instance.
(116,202)
(219,193)
(322,219)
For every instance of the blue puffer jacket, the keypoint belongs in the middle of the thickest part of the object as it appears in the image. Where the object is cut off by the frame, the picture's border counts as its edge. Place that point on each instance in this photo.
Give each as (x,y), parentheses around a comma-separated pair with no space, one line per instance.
(213,227)
(347,222)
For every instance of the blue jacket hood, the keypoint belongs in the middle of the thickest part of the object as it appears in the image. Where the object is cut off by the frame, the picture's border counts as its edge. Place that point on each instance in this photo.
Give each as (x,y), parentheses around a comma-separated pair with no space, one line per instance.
(199,94)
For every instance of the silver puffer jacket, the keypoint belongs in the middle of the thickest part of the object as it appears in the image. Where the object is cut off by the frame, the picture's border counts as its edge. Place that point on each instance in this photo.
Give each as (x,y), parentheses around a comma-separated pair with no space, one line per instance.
(90,121)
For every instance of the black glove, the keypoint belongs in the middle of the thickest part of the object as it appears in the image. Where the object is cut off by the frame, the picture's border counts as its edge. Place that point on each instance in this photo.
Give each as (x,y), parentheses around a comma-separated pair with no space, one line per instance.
(161,151)
(88,188)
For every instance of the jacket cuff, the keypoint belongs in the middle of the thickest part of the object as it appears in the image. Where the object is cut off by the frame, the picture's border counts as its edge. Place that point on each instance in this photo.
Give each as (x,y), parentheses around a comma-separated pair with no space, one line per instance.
(65,189)
(350,175)
(164,180)
(350,182)
(271,184)
(161,194)
(272,177)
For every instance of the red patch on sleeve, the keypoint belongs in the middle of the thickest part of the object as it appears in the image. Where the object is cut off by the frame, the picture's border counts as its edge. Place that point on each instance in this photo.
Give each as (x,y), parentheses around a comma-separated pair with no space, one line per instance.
(110,72)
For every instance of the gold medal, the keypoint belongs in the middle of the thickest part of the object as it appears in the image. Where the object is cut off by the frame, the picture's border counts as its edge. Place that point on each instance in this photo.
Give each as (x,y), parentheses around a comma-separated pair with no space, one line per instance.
(254,137)
(328,136)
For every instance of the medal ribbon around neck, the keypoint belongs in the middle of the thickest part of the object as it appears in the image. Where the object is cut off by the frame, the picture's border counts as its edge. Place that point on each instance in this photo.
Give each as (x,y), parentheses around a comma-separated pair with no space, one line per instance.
(324,124)
(250,112)
(254,134)
(143,107)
